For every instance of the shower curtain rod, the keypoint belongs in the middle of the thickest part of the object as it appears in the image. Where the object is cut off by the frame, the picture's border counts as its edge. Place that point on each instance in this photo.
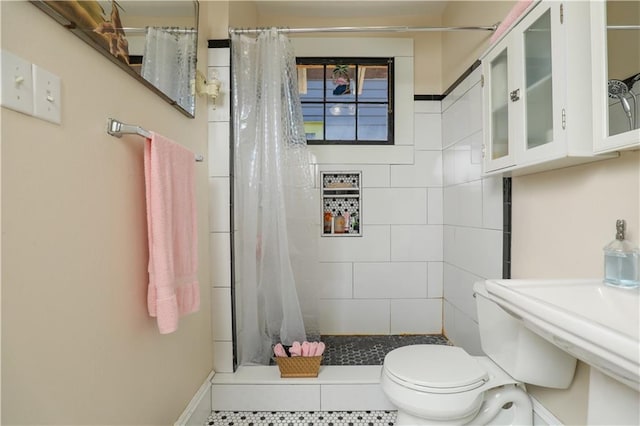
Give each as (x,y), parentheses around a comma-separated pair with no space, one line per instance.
(397,29)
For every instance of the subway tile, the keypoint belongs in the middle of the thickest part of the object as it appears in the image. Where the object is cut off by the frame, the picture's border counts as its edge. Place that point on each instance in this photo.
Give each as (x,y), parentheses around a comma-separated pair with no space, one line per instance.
(219,203)
(462,118)
(221,313)
(352,154)
(223,357)
(353,316)
(492,204)
(372,246)
(435,279)
(386,280)
(416,243)
(403,109)
(463,204)
(419,316)
(219,57)
(478,251)
(428,132)
(265,397)
(426,171)
(335,280)
(435,206)
(220,110)
(219,149)
(427,107)
(448,326)
(467,334)
(400,206)
(458,289)
(220,259)
(346,397)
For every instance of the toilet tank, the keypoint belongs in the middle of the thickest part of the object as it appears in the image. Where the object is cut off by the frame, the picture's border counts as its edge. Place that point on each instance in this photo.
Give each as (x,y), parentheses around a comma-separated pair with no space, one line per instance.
(520,352)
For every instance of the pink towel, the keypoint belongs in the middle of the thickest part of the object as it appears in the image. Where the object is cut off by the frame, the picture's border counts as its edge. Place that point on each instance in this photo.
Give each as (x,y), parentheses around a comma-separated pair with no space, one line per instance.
(511,17)
(171,222)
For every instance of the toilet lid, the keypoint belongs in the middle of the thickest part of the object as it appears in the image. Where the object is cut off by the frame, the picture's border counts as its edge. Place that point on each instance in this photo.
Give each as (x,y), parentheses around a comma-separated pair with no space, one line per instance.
(447,368)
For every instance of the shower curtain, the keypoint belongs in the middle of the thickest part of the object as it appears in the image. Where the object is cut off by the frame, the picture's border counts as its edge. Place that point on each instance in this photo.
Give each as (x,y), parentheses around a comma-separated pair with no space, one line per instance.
(276,230)
(169,63)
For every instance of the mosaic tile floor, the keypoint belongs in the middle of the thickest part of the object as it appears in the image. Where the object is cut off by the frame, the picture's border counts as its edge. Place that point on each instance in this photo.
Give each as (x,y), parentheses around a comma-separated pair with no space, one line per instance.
(302,418)
(371,349)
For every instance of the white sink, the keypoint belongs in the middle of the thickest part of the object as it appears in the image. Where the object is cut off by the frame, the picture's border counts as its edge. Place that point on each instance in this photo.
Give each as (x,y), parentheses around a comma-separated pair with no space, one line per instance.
(596,323)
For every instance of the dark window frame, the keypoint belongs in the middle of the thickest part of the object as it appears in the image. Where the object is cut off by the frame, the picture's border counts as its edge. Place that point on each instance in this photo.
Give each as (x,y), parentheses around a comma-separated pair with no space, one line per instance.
(358,61)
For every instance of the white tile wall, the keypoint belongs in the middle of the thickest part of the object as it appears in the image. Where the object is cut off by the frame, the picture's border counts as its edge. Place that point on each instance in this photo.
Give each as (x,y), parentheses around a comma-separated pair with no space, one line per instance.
(428,131)
(390,280)
(472,213)
(354,316)
(396,206)
(414,243)
(336,280)
(219,213)
(435,207)
(425,172)
(420,316)
(372,246)
(218,149)
(220,262)
(435,279)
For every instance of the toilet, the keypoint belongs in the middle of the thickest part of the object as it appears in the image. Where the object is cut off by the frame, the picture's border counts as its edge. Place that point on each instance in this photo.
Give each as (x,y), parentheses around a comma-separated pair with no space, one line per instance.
(444,385)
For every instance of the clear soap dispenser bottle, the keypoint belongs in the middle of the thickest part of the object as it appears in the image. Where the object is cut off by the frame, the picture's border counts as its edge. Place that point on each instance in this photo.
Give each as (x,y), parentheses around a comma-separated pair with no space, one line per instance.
(621,261)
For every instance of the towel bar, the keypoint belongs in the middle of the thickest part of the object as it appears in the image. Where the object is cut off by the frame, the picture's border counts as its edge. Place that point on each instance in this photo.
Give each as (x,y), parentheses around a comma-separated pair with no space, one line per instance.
(117,128)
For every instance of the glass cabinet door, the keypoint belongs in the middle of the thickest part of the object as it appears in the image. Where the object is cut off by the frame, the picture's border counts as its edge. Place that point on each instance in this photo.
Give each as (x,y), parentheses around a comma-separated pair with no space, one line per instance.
(499,77)
(538,82)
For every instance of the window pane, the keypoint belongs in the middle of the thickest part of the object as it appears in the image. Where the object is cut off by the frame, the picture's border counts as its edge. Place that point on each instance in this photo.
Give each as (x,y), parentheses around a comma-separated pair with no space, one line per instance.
(341,122)
(341,83)
(313,121)
(373,83)
(310,82)
(372,122)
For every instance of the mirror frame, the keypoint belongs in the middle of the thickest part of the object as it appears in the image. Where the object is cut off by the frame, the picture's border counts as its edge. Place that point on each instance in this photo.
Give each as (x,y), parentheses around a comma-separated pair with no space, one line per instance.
(86,37)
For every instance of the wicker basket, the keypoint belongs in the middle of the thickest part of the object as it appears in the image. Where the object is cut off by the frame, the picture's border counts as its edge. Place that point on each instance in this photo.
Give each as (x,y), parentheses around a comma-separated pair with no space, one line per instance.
(299,366)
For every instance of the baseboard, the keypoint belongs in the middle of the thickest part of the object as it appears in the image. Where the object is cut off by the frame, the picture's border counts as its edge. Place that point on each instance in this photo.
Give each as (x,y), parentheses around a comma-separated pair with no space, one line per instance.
(542,416)
(199,408)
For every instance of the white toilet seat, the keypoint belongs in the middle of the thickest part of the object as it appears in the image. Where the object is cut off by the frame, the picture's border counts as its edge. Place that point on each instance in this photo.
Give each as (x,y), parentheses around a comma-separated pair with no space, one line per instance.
(434,369)
(438,384)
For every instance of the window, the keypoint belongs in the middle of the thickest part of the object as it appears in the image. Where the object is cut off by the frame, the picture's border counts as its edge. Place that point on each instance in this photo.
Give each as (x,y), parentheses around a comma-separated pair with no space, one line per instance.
(347,100)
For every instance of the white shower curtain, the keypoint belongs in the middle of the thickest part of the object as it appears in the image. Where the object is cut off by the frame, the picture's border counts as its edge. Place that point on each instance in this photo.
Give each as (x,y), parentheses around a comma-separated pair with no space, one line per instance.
(276,234)
(169,63)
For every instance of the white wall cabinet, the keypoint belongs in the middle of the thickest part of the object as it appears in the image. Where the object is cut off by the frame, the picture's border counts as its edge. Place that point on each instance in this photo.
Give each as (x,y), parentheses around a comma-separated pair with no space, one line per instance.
(615,47)
(537,92)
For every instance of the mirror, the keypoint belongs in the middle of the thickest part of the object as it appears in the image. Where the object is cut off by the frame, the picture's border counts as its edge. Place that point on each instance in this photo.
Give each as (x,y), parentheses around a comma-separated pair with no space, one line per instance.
(623,65)
(153,41)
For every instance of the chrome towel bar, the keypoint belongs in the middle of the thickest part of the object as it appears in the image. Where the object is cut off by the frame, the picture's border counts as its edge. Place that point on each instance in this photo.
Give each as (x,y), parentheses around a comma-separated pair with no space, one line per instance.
(117,128)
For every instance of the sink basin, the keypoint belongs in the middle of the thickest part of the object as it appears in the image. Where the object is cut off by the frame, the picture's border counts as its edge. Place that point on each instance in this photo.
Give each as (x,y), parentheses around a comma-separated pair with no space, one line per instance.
(596,323)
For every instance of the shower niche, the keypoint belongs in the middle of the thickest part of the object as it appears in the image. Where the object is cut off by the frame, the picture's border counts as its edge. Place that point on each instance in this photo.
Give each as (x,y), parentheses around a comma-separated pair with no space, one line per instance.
(341,203)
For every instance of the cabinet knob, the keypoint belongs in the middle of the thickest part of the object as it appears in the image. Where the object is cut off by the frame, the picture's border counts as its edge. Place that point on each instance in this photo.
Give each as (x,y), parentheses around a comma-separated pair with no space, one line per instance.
(515,95)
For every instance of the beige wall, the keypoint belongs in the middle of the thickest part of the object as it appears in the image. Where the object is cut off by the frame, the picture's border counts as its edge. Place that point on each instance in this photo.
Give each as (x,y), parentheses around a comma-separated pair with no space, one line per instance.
(461,49)
(561,221)
(77,344)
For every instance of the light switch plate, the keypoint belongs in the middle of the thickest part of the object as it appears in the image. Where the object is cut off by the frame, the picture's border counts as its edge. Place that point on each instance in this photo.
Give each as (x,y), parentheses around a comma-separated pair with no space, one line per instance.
(47,102)
(17,83)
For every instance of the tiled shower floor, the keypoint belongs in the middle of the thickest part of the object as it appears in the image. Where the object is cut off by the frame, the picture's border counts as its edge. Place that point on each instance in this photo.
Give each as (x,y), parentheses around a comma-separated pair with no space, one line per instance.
(371,349)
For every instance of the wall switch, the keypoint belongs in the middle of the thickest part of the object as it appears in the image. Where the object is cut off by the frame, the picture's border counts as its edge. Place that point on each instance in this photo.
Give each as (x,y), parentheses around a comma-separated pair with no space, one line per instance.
(17,83)
(46,95)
